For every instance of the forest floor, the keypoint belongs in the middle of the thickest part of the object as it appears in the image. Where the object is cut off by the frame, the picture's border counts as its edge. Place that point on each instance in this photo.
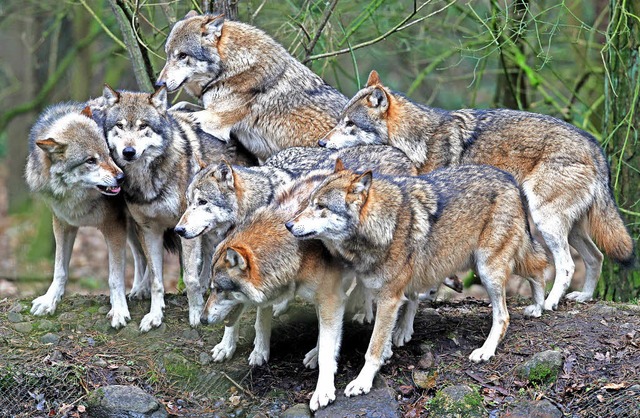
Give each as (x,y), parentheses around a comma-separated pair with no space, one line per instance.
(49,365)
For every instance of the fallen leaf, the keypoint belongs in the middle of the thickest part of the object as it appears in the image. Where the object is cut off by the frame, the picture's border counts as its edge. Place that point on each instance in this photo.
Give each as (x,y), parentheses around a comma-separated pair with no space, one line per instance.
(600,398)
(235,400)
(82,408)
(599,356)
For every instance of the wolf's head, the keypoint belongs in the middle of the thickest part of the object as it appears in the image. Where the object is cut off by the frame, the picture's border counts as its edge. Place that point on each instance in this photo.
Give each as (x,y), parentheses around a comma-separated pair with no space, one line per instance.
(212,202)
(135,125)
(364,118)
(193,57)
(333,209)
(79,156)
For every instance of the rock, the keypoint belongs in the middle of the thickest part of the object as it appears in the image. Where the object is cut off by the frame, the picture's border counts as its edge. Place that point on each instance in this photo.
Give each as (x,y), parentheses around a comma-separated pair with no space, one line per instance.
(537,409)
(424,379)
(542,367)
(123,402)
(379,402)
(103,310)
(103,325)
(427,361)
(67,317)
(459,401)
(300,410)
(50,338)
(190,334)
(99,361)
(16,307)
(23,327)
(131,331)
(46,325)
(14,317)
(204,358)
(603,309)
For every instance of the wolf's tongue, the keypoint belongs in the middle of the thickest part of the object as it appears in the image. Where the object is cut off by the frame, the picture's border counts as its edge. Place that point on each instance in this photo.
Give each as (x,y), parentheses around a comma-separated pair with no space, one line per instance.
(114,190)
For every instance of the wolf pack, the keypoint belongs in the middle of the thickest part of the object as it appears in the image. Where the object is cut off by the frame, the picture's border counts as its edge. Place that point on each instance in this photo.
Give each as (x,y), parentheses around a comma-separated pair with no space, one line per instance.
(276,186)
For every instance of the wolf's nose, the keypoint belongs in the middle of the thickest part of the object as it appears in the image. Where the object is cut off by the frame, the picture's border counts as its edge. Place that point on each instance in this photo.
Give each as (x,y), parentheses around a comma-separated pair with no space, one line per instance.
(180,230)
(128,153)
(119,178)
(322,142)
(161,83)
(203,320)
(289,225)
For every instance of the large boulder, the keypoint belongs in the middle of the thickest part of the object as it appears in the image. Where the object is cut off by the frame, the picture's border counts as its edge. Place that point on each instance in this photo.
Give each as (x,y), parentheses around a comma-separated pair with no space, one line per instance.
(119,401)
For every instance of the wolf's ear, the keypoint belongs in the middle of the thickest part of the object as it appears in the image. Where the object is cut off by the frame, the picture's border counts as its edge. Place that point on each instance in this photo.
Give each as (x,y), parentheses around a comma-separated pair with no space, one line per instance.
(374,79)
(212,27)
(159,99)
(378,99)
(224,174)
(235,257)
(339,165)
(51,146)
(361,184)
(191,14)
(110,95)
(87,112)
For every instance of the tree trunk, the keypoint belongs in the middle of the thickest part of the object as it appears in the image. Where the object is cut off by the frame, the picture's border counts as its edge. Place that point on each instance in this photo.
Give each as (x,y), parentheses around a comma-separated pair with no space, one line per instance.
(227,7)
(622,119)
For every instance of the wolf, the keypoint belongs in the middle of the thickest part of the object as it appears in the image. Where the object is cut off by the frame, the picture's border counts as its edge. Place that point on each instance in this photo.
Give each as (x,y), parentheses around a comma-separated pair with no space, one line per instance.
(160,151)
(70,168)
(249,85)
(403,235)
(562,170)
(260,264)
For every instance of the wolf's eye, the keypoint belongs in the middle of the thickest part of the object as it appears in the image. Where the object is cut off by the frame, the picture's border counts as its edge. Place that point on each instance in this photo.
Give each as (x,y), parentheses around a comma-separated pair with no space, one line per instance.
(119,125)
(321,206)
(182,56)
(91,161)
(202,202)
(349,123)
(143,125)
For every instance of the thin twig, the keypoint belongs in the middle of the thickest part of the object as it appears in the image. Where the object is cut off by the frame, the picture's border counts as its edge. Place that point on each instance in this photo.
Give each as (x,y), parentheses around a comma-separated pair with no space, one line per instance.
(103,26)
(239,386)
(323,23)
(377,39)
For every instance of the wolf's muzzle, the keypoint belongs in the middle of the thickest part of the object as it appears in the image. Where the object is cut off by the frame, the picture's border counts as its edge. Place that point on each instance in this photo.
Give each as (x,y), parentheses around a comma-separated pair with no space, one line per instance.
(129,153)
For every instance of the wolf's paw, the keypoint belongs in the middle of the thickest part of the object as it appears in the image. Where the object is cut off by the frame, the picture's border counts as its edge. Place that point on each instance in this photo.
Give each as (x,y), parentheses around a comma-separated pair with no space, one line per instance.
(532,311)
(150,320)
(223,351)
(139,293)
(322,396)
(550,305)
(258,357)
(479,355)
(358,387)
(194,317)
(44,305)
(580,296)
(311,359)
(280,308)
(119,317)
(402,335)
(387,353)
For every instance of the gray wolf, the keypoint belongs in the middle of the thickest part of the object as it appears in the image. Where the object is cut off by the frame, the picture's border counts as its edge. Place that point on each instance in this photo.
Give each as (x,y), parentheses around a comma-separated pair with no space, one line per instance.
(70,168)
(562,170)
(160,151)
(249,85)
(404,235)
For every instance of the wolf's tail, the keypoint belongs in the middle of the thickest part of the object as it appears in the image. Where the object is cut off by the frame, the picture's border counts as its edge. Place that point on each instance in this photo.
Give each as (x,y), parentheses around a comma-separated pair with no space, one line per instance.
(533,260)
(607,228)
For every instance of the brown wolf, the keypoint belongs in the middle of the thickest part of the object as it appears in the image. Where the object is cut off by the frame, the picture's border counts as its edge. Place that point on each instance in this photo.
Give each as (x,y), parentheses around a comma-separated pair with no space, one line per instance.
(249,85)
(562,170)
(404,235)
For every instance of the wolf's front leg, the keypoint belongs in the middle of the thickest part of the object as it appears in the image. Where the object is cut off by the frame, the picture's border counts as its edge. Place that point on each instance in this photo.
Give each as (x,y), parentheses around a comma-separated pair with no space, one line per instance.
(152,244)
(64,235)
(387,311)
(116,238)
(192,264)
(224,349)
(262,342)
(211,123)
(404,329)
(141,288)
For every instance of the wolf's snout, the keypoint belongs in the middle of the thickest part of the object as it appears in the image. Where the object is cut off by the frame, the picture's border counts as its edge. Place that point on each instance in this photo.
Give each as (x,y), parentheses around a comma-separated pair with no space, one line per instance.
(180,230)
(225,284)
(120,178)
(161,83)
(128,153)
(203,320)
(322,142)
(289,225)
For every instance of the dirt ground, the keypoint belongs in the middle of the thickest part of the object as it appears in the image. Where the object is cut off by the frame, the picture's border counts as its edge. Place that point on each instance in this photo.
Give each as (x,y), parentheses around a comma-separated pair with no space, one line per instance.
(600,344)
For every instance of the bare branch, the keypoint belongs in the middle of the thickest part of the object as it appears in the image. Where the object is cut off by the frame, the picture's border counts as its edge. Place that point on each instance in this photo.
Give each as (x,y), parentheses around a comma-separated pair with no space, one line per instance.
(323,23)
